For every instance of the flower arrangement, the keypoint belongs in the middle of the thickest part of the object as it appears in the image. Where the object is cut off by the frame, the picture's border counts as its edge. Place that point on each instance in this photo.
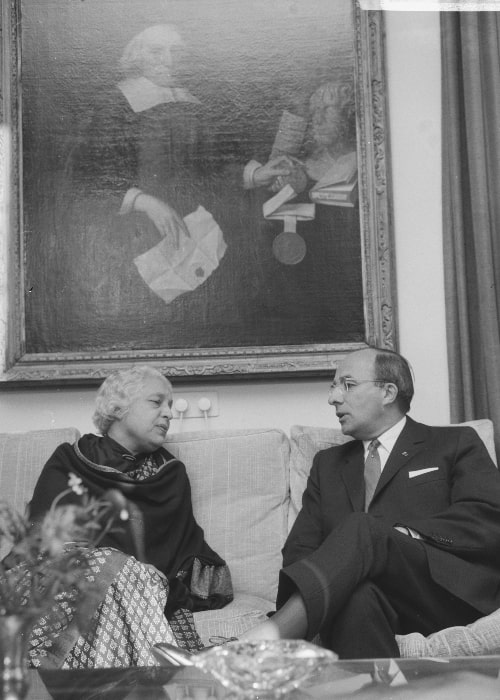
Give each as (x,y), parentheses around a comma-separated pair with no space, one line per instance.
(46,569)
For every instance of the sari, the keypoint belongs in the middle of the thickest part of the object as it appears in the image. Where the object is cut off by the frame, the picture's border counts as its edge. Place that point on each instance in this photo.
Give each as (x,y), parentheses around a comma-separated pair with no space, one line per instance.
(138,598)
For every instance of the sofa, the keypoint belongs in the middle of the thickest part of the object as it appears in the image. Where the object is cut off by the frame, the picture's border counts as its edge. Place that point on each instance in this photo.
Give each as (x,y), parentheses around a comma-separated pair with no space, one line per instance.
(246,489)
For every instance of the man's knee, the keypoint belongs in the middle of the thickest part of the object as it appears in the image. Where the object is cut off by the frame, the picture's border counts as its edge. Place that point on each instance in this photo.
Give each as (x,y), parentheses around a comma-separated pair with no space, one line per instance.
(365,598)
(363,526)
(362,544)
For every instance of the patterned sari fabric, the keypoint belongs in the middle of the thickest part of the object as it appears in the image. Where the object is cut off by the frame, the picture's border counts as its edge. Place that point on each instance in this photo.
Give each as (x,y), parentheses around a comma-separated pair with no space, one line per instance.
(125,618)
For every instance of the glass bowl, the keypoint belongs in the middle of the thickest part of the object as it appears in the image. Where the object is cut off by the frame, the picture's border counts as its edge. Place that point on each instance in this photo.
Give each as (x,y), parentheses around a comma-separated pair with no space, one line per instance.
(263,668)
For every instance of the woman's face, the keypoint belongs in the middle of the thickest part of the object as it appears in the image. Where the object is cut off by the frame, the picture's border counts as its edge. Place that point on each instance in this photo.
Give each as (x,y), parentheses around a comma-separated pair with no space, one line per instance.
(144,426)
(161,57)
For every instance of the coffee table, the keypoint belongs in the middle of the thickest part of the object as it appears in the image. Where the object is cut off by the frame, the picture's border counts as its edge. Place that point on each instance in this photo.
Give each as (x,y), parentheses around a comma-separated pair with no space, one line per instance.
(426,679)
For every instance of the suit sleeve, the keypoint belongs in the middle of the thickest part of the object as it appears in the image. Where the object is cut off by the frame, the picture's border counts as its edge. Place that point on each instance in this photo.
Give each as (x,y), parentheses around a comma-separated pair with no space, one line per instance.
(471,522)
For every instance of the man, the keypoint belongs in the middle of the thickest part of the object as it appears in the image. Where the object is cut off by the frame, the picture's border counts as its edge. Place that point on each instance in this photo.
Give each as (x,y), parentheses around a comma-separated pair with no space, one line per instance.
(414,548)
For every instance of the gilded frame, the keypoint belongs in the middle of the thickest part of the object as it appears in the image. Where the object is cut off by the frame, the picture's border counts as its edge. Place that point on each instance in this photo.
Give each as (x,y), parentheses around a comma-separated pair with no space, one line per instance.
(378,265)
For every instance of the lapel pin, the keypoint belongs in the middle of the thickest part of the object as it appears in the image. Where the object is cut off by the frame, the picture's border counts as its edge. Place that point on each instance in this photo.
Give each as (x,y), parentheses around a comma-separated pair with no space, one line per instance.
(405,454)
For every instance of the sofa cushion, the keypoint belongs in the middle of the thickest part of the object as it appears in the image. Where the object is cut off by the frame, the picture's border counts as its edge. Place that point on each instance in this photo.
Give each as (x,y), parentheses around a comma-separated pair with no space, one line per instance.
(240,491)
(484,428)
(243,613)
(305,441)
(22,456)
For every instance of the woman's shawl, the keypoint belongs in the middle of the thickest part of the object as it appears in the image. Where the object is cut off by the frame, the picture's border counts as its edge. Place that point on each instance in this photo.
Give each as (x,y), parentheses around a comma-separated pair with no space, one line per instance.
(161,508)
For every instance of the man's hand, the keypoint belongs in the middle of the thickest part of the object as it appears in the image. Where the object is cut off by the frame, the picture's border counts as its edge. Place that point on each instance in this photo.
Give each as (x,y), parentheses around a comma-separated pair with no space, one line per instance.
(276,167)
(166,220)
(264,630)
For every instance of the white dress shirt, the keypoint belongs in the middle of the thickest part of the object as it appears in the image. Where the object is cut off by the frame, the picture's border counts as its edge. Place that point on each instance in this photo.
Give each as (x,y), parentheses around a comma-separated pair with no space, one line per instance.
(387,441)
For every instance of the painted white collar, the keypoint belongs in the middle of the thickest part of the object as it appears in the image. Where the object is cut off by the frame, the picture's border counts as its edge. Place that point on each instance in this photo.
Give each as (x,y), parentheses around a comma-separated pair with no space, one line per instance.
(142,94)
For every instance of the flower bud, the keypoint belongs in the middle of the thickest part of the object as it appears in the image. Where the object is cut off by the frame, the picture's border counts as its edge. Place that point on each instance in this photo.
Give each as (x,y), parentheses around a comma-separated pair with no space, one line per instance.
(119,503)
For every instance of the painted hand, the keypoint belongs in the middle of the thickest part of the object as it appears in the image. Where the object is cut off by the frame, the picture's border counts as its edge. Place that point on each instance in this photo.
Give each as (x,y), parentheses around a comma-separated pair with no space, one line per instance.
(276,167)
(166,220)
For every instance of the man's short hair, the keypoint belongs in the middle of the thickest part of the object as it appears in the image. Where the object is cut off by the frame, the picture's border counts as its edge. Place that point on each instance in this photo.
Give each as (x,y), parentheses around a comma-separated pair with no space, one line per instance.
(394,368)
(117,392)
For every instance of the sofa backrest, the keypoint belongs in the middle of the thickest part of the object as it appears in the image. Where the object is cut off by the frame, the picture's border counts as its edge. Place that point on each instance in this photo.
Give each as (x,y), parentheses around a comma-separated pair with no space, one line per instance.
(247,486)
(240,491)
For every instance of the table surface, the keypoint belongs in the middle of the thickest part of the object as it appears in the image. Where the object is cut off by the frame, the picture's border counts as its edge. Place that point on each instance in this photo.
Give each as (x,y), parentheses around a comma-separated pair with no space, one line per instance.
(425,679)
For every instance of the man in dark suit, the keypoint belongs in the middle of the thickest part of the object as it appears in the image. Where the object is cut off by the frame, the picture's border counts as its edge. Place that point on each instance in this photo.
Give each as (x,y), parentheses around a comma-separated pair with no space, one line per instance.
(399,529)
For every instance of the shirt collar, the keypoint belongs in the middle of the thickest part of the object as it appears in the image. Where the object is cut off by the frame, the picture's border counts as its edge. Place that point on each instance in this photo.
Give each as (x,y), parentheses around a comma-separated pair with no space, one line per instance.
(388,438)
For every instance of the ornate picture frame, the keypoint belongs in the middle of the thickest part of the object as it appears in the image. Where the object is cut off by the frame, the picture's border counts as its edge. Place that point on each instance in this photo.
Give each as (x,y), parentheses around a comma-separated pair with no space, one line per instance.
(79,355)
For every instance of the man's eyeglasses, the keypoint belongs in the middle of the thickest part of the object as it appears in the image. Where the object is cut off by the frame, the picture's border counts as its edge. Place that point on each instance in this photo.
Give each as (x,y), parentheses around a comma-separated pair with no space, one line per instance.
(347,385)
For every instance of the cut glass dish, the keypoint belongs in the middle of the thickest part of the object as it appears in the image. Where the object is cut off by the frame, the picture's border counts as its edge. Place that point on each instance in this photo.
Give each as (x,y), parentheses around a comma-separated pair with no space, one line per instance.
(263,668)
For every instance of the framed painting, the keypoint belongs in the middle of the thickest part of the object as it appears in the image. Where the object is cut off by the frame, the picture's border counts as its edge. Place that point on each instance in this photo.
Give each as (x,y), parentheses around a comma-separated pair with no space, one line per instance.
(197,184)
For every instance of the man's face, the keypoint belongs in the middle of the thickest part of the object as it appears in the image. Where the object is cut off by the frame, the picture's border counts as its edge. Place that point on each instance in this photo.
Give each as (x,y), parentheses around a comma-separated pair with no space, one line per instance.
(361,409)
(162,55)
(144,427)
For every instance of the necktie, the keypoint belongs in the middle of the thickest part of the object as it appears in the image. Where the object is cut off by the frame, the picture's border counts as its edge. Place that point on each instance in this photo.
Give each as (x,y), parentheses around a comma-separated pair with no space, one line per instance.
(372,471)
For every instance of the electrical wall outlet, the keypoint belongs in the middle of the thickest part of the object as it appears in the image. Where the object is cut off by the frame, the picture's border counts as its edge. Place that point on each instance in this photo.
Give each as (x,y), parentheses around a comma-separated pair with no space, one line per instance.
(195,404)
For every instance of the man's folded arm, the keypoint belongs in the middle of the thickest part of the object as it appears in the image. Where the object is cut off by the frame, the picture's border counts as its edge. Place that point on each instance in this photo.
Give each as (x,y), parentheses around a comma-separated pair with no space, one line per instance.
(472,520)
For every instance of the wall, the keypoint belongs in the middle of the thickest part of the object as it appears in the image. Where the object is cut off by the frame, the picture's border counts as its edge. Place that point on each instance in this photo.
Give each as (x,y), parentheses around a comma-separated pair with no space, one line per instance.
(413,64)
(414,77)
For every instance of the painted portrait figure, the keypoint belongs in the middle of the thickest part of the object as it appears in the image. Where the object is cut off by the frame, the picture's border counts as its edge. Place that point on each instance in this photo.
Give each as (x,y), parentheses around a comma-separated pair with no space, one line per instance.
(318,155)
(160,135)
(146,159)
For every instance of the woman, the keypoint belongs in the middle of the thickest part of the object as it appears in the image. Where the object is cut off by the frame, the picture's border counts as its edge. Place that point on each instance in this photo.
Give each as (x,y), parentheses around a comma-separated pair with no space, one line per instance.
(133,413)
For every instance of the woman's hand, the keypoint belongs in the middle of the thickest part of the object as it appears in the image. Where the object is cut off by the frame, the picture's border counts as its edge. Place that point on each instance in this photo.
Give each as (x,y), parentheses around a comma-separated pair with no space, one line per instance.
(166,220)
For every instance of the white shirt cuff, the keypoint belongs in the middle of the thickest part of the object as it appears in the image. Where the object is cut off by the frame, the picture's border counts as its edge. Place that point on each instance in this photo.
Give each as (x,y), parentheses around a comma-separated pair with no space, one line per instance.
(248,172)
(128,201)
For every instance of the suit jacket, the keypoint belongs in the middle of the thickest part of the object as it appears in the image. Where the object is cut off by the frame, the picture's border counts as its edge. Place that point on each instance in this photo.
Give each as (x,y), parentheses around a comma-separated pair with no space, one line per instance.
(439,481)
